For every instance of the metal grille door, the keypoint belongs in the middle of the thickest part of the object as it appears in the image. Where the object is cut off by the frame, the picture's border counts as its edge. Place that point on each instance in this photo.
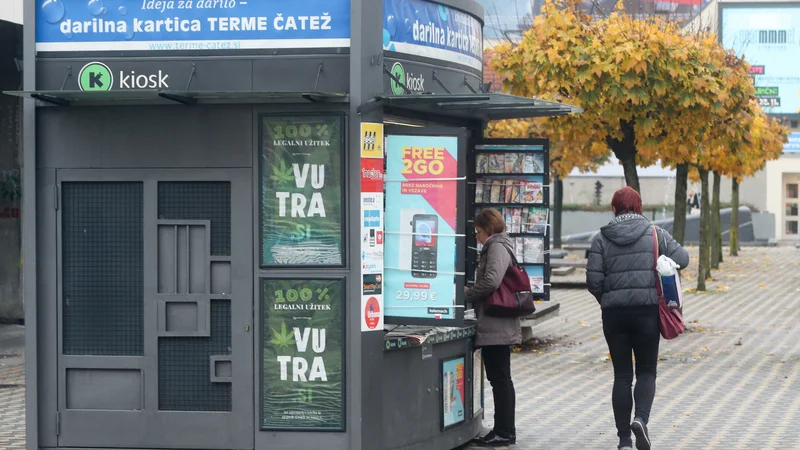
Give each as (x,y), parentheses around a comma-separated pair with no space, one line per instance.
(156,309)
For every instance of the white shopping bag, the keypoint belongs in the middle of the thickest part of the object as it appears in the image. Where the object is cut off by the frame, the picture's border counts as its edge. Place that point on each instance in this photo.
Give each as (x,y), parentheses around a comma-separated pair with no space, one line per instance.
(670,281)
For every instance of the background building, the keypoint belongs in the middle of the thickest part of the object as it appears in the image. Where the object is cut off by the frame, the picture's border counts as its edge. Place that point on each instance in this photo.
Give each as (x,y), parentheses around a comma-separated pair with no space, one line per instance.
(10,187)
(767,34)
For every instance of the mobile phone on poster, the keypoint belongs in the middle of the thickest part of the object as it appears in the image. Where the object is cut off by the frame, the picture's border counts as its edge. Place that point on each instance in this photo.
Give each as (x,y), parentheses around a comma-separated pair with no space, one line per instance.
(424,251)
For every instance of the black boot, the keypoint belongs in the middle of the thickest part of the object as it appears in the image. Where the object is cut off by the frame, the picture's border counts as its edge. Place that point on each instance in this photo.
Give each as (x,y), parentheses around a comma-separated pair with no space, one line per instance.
(639,429)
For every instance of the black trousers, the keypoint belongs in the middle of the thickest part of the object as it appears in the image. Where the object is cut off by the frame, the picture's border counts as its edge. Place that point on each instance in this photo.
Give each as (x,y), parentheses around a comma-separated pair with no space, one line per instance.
(632,329)
(497,361)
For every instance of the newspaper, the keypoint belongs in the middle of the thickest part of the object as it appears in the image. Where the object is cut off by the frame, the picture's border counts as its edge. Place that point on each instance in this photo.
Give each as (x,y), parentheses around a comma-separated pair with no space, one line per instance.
(419,334)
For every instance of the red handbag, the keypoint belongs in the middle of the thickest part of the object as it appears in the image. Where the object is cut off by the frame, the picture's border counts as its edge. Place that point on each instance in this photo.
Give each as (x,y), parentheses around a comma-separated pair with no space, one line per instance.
(670,320)
(513,298)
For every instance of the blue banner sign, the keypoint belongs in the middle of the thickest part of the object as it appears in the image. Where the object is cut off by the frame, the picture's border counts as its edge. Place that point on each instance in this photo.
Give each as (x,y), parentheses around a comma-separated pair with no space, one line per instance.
(793,146)
(168,25)
(431,30)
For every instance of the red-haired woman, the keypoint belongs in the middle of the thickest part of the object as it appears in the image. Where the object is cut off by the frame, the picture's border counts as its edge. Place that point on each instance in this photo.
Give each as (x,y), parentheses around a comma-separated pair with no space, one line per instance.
(620,275)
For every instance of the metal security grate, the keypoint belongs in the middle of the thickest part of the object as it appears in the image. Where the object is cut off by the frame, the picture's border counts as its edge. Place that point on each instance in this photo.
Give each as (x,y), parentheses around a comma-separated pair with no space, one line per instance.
(184,367)
(102,268)
(200,201)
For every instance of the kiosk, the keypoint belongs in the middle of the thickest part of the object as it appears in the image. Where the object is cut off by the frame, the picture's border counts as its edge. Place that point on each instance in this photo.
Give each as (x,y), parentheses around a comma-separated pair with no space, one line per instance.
(236,206)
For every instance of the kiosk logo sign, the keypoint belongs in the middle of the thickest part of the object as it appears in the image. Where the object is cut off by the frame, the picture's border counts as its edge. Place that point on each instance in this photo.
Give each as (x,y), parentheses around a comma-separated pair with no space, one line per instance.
(97,76)
(412,82)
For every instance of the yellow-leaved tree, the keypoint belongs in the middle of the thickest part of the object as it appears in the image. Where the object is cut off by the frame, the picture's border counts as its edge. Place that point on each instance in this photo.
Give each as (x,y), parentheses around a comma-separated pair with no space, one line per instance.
(759,139)
(642,84)
(649,92)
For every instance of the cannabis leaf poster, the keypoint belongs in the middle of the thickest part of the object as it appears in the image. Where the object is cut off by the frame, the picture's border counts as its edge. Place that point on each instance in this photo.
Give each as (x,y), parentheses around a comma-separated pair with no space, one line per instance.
(302,378)
(301,191)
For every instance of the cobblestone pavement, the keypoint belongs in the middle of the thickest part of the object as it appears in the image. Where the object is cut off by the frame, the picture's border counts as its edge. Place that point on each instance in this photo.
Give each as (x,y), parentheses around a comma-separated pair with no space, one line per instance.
(12,389)
(731,382)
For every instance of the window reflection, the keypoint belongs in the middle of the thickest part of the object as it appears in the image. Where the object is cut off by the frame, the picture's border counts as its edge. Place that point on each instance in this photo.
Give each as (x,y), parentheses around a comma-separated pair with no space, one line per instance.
(792,190)
(791,227)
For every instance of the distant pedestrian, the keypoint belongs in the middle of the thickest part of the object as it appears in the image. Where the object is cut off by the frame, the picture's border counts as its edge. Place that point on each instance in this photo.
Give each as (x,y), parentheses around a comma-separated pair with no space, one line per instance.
(495,335)
(693,202)
(620,275)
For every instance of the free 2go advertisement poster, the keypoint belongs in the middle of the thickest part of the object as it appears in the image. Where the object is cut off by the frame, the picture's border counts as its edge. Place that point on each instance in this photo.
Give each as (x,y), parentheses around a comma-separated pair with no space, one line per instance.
(420,223)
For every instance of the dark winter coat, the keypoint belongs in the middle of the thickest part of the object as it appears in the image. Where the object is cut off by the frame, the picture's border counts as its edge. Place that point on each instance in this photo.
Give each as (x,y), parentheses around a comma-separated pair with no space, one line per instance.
(493,262)
(620,267)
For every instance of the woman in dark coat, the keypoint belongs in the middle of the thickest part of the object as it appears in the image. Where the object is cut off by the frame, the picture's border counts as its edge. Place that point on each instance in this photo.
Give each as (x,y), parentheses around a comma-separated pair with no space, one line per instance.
(495,335)
(620,275)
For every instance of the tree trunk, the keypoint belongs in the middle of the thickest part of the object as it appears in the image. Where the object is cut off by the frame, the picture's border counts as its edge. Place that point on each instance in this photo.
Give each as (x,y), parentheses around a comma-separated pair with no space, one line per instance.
(679,217)
(735,217)
(558,199)
(703,269)
(625,151)
(720,256)
(716,225)
(631,177)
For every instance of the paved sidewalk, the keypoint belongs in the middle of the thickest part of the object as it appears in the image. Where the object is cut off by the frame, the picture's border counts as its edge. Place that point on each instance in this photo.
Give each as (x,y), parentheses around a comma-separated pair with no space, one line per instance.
(732,382)
(12,388)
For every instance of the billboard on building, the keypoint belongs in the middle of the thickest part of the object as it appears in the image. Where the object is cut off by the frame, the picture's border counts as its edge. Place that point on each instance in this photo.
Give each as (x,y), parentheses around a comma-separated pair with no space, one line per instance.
(766,35)
(432,30)
(190,25)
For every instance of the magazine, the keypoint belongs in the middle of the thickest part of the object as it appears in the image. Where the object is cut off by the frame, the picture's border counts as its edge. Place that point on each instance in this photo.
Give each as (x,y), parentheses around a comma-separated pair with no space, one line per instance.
(497,191)
(482,163)
(516,220)
(528,165)
(526,228)
(496,163)
(537,285)
(511,162)
(514,162)
(508,218)
(519,248)
(532,192)
(537,220)
(533,251)
(508,190)
(538,162)
(479,190)
(538,194)
(515,193)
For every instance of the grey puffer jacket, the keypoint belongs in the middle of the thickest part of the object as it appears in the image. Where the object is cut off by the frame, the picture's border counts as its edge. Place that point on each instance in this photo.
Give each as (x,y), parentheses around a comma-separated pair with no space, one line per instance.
(620,267)
(493,262)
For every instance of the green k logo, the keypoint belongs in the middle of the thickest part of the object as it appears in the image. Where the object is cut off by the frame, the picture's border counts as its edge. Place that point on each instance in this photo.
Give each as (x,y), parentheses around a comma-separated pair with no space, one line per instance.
(95,76)
(400,73)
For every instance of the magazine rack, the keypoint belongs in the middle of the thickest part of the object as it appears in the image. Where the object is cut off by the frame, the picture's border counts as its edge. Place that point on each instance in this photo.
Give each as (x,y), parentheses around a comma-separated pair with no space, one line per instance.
(513,177)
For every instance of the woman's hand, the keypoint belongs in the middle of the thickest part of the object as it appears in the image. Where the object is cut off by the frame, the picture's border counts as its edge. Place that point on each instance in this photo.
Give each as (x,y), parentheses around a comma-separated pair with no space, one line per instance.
(466,290)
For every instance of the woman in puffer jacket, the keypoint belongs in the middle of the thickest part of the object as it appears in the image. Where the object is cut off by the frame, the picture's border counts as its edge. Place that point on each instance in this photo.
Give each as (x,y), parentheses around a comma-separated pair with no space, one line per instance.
(495,335)
(620,275)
